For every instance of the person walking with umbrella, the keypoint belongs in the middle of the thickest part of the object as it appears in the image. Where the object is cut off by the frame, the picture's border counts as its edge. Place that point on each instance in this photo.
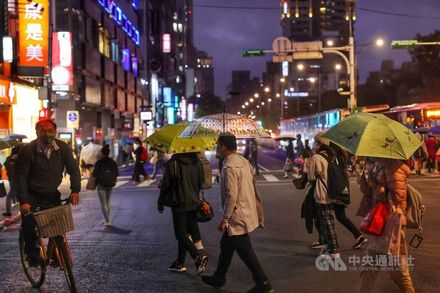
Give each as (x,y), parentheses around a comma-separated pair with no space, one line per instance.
(290,157)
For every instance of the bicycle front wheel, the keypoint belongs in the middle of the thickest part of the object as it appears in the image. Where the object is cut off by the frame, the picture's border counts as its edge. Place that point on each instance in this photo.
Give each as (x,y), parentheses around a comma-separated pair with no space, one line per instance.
(66,263)
(35,273)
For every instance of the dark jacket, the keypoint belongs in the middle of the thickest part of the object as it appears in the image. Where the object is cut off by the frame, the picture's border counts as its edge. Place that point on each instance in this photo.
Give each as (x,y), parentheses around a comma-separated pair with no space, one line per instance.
(10,168)
(38,178)
(289,151)
(190,179)
(101,166)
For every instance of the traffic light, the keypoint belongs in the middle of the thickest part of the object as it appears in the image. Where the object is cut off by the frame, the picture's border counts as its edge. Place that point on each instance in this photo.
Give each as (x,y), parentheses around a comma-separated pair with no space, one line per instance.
(253,53)
(403,44)
(44,114)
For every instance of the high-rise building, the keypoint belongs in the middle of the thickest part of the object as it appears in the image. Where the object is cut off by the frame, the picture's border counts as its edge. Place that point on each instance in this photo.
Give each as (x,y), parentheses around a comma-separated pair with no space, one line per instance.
(304,20)
(316,20)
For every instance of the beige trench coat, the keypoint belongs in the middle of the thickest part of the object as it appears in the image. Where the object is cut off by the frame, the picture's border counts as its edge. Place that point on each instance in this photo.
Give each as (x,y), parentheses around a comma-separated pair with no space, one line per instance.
(242,206)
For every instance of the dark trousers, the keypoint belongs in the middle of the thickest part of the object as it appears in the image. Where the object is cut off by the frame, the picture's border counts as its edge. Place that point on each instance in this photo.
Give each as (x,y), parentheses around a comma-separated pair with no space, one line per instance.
(185,224)
(28,230)
(241,244)
(254,162)
(344,220)
(138,170)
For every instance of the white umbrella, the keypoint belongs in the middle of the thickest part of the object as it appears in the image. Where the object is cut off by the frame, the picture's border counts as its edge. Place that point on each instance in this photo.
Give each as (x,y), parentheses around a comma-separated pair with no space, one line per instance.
(90,153)
(240,126)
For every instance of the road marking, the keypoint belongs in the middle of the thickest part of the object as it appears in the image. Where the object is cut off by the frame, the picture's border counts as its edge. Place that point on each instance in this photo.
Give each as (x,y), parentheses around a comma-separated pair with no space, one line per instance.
(264,169)
(270,178)
(119,183)
(146,183)
(124,177)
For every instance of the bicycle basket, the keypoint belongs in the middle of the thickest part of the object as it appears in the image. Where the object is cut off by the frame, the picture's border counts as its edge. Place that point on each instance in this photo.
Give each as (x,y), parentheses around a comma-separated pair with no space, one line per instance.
(54,221)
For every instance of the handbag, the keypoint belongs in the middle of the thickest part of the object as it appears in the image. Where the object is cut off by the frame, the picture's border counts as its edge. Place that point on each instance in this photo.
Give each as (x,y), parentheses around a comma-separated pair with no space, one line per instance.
(375,221)
(91,183)
(300,182)
(3,192)
(204,212)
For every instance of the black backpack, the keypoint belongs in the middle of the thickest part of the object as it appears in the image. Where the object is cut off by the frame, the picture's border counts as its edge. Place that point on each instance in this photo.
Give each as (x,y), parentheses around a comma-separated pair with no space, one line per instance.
(338,183)
(107,173)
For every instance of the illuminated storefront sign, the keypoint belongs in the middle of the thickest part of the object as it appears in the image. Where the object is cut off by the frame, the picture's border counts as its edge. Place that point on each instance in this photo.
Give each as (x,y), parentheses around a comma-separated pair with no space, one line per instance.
(62,58)
(167,97)
(433,114)
(6,92)
(34,33)
(118,16)
(8,50)
(166,43)
(134,66)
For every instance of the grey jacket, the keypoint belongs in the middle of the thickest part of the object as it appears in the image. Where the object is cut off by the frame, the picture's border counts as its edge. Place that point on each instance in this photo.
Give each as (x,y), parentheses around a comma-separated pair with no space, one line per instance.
(242,205)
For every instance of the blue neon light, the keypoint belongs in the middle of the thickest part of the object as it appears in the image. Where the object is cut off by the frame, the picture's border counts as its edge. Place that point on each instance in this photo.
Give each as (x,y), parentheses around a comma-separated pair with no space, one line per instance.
(126,59)
(135,4)
(118,16)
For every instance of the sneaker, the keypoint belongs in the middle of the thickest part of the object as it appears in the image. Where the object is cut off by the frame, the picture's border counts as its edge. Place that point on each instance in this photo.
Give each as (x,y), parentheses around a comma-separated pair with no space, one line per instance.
(317,245)
(360,241)
(201,262)
(286,176)
(265,287)
(7,214)
(108,223)
(214,281)
(177,267)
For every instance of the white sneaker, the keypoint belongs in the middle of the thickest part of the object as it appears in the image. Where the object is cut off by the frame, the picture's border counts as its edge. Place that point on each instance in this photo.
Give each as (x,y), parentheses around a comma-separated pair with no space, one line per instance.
(109,223)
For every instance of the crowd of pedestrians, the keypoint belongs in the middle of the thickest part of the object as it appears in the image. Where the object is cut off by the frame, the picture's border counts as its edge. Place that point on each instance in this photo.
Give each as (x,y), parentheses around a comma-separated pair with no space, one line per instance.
(35,173)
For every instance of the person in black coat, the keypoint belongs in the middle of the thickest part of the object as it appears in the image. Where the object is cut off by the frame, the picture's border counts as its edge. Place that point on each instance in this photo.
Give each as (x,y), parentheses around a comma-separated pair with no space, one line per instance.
(181,184)
(10,171)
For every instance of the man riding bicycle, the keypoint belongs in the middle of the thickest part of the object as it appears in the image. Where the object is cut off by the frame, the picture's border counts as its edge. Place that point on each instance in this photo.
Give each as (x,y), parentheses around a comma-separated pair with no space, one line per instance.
(39,172)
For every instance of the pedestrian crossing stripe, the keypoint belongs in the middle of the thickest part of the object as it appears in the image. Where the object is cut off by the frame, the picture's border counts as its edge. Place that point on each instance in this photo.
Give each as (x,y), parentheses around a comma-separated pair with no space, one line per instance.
(119,183)
(145,183)
(270,178)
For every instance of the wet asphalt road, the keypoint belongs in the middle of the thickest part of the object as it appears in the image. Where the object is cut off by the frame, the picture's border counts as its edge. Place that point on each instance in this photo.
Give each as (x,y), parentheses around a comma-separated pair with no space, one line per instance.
(133,254)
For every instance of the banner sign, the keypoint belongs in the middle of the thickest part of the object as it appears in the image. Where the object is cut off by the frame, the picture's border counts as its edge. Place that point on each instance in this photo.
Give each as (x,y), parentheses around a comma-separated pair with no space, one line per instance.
(62,58)
(33,22)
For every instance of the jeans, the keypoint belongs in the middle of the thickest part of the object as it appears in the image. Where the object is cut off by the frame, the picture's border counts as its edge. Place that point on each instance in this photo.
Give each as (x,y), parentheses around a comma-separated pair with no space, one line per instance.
(241,244)
(11,197)
(159,165)
(185,224)
(344,220)
(104,194)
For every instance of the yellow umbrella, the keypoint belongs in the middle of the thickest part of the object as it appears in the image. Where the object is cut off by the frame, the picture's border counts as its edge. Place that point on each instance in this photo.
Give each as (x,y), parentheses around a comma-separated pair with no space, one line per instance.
(168,141)
(8,143)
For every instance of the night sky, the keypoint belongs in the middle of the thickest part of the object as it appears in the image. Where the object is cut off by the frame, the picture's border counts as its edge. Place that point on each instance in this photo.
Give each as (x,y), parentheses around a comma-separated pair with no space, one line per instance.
(223,33)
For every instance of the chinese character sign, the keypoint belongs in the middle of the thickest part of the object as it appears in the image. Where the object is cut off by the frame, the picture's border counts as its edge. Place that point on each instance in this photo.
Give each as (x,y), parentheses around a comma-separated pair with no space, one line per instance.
(33,32)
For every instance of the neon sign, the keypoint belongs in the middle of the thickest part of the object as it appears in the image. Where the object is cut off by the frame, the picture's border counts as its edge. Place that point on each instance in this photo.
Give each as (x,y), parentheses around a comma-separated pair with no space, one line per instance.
(118,16)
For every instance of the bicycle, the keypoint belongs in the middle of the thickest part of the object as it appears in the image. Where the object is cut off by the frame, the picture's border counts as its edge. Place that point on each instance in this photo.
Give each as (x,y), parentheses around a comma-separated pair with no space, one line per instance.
(51,223)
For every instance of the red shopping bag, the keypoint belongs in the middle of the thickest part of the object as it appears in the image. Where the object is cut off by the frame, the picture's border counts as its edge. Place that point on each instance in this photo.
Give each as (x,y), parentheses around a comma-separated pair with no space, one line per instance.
(375,221)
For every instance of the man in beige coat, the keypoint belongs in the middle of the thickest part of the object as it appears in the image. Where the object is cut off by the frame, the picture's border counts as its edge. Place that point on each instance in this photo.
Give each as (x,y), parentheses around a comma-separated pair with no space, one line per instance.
(242,214)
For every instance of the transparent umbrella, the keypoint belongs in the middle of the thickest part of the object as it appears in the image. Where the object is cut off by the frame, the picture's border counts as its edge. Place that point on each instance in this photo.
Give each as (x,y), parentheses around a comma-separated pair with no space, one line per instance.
(240,126)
